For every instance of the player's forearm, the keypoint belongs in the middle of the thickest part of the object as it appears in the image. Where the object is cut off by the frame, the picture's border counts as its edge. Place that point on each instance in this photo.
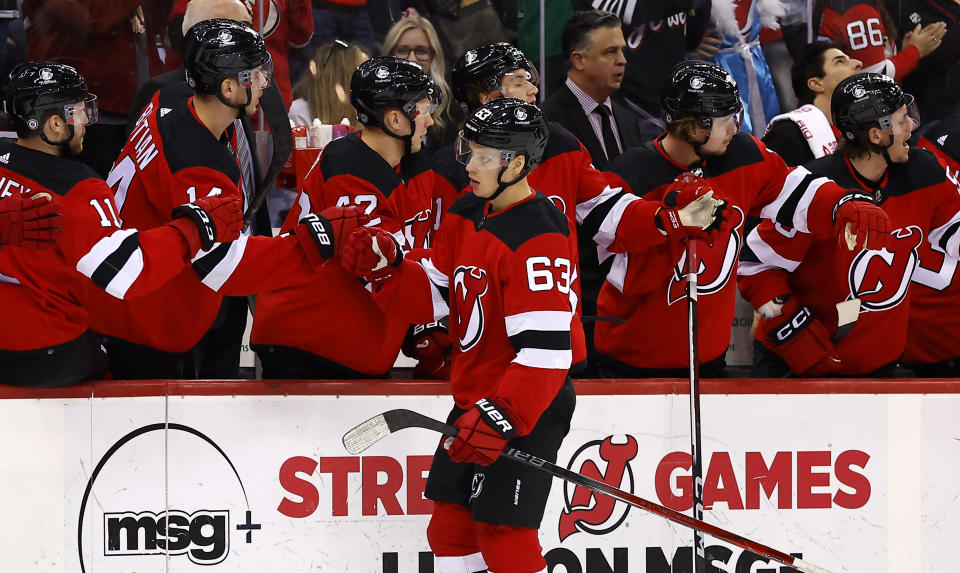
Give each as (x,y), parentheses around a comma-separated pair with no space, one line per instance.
(410,294)
(528,391)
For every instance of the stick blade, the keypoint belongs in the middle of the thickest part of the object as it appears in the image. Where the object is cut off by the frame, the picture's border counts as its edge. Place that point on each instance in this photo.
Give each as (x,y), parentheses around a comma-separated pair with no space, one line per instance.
(366,434)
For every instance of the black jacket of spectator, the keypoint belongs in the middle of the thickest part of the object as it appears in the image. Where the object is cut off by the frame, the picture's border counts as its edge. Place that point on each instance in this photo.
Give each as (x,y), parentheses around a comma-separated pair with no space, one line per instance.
(936,81)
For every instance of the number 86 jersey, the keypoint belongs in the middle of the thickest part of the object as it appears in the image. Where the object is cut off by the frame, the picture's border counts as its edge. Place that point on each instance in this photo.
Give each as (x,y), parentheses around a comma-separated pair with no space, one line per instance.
(504,279)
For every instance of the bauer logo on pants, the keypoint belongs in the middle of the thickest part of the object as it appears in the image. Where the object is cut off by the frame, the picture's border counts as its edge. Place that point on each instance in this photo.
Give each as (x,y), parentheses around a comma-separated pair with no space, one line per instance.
(606,460)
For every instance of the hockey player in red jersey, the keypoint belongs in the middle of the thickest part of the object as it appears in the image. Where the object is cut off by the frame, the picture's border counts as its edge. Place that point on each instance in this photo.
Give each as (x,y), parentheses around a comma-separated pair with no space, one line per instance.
(179,151)
(45,339)
(933,333)
(701,108)
(795,277)
(501,267)
(609,219)
(323,329)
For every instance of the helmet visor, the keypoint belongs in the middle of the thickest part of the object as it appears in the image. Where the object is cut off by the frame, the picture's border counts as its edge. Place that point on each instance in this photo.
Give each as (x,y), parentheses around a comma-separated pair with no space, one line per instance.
(486,158)
(424,103)
(722,125)
(82,112)
(258,77)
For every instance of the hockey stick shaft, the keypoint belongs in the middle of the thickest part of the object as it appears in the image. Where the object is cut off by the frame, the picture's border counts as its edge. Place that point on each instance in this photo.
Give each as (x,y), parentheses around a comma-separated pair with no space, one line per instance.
(693,268)
(367,433)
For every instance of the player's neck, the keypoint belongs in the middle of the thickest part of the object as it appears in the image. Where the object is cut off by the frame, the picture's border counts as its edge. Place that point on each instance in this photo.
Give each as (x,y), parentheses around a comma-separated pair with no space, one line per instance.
(822,102)
(872,167)
(214,115)
(37,144)
(512,195)
(388,147)
(680,151)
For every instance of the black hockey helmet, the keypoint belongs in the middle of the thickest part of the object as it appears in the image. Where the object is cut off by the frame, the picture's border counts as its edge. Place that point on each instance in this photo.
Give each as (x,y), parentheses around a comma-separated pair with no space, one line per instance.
(34,88)
(388,82)
(511,126)
(699,89)
(483,69)
(868,98)
(221,48)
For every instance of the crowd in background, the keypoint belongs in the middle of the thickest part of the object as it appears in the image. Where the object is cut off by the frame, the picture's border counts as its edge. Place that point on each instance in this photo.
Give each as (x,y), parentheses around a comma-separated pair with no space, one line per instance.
(604,87)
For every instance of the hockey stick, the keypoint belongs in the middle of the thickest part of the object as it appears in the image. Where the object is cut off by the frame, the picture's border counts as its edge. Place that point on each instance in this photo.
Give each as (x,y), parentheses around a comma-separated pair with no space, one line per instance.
(693,268)
(373,430)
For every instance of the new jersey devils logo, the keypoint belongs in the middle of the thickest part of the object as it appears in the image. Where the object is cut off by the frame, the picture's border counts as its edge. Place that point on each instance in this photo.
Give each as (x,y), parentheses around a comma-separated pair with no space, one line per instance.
(417,230)
(604,514)
(717,263)
(880,278)
(469,286)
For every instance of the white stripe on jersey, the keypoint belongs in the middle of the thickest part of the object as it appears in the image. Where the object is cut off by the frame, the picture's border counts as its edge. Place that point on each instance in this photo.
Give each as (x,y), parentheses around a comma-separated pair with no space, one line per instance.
(618,270)
(584,209)
(769,258)
(5,279)
(607,232)
(542,320)
(223,269)
(953,241)
(540,358)
(303,202)
(791,188)
(128,273)
(437,281)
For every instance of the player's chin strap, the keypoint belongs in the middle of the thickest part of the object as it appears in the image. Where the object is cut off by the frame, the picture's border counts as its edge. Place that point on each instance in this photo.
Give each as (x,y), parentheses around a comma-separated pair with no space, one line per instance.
(241,108)
(501,185)
(62,146)
(406,139)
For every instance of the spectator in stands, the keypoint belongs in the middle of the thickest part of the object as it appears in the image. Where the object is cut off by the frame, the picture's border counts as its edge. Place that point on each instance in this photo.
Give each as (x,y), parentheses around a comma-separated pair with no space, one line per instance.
(593,45)
(808,131)
(324,91)
(107,43)
(414,38)
(738,26)
(936,81)
(864,30)
(347,20)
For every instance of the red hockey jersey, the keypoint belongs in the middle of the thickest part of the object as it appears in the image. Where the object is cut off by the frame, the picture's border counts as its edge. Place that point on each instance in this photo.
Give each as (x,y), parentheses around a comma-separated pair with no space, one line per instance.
(591,201)
(933,331)
(505,279)
(43,290)
(855,25)
(923,205)
(169,159)
(648,289)
(333,315)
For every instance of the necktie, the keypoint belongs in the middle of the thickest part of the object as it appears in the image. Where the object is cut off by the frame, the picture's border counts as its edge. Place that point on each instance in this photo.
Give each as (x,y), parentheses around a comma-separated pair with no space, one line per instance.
(609,140)
(246,164)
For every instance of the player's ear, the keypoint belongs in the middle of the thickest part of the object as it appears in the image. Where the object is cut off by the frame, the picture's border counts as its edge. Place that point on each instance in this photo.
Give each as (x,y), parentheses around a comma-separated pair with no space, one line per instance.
(518,163)
(227,87)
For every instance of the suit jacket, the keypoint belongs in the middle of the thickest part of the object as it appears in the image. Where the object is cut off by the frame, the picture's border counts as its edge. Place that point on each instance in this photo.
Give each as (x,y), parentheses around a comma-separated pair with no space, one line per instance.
(563,107)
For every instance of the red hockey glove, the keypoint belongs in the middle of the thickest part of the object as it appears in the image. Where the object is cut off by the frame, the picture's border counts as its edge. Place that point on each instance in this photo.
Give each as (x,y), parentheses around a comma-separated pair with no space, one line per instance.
(484,431)
(372,254)
(801,340)
(322,235)
(430,345)
(29,222)
(689,210)
(215,219)
(869,225)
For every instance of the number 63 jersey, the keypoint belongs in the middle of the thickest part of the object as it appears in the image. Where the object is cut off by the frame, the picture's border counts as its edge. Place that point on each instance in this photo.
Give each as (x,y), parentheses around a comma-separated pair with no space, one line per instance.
(504,279)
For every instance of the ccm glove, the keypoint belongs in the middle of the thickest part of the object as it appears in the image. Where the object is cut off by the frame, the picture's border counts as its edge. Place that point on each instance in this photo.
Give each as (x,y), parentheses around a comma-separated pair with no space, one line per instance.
(322,235)
(797,337)
(482,433)
(372,254)
(215,219)
(29,222)
(689,210)
(430,345)
(868,225)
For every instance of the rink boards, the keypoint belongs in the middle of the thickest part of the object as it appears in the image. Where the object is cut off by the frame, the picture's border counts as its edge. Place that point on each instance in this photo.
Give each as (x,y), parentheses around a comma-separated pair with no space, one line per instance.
(855,476)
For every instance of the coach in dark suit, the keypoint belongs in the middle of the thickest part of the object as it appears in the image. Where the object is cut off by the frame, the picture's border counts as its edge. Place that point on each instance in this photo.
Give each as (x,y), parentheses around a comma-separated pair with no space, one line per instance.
(593,46)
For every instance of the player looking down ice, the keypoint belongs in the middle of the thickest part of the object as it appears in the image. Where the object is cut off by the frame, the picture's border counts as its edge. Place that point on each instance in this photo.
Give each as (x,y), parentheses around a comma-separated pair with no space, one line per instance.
(501,267)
